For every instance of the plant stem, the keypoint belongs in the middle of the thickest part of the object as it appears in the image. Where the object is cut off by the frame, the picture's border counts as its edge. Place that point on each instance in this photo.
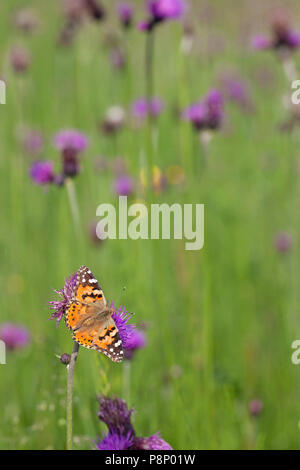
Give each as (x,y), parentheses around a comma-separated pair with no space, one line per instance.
(70,381)
(73,202)
(126,381)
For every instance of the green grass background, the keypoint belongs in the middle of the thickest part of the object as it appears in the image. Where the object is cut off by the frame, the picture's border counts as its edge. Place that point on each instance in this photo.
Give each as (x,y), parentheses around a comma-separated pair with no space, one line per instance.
(224,317)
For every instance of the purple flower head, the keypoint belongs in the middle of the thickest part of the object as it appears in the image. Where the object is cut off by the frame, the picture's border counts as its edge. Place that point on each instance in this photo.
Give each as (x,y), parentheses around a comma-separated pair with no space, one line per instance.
(115,441)
(66,294)
(33,142)
(121,318)
(20,59)
(166,9)
(260,42)
(196,114)
(124,185)
(116,415)
(94,9)
(121,434)
(42,172)
(141,108)
(65,359)
(70,140)
(125,12)
(292,39)
(154,442)
(282,36)
(214,108)
(136,341)
(283,242)
(155,107)
(255,407)
(162,10)
(70,143)
(14,336)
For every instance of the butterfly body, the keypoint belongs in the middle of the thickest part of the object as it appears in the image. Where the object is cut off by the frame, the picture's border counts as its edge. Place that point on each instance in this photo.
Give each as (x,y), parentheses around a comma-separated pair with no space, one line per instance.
(90,318)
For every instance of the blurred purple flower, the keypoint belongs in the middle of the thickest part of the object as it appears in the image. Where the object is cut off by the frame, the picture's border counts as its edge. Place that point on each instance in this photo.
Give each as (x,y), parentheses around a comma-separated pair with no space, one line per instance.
(20,59)
(42,172)
(154,442)
(136,341)
(214,108)
(33,142)
(283,36)
(283,242)
(206,114)
(261,42)
(70,143)
(94,9)
(141,108)
(66,294)
(124,185)
(166,9)
(125,12)
(255,407)
(196,114)
(121,434)
(162,10)
(14,336)
(70,139)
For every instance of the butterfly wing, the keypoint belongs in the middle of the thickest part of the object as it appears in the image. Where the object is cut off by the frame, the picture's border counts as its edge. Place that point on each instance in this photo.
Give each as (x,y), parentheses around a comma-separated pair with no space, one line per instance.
(103,336)
(86,292)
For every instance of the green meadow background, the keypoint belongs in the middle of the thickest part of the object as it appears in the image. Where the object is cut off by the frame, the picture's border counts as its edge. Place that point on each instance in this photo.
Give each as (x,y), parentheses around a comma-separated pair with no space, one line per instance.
(221,320)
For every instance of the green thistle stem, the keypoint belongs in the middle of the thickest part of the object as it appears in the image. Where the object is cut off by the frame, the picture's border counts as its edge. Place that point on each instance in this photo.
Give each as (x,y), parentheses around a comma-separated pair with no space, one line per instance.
(126,381)
(73,202)
(70,381)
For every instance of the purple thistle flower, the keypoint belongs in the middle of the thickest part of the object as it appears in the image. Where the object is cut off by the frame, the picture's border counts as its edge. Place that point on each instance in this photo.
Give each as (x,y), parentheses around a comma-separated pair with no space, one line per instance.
(214,106)
(155,107)
(283,242)
(94,9)
(124,185)
(66,294)
(292,39)
(125,12)
(196,114)
(166,9)
(136,341)
(121,318)
(260,42)
(283,37)
(154,442)
(162,10)
(255,407)
(70,139)
(121,434)
(20,59)
(14,336)
(206,114)
(42,172)
(115,414)
(141,108)
(33,142)
(70,143)
(115,441)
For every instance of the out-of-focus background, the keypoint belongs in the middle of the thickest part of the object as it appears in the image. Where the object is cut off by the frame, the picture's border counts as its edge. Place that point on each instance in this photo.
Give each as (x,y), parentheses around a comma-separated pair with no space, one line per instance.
(216,372)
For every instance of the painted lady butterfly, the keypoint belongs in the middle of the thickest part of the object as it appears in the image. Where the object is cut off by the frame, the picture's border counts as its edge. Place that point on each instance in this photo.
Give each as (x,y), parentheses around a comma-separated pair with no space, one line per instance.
(90,319)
